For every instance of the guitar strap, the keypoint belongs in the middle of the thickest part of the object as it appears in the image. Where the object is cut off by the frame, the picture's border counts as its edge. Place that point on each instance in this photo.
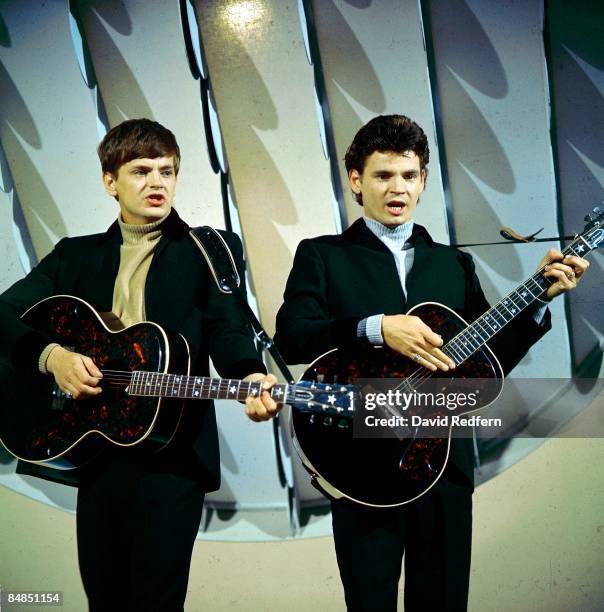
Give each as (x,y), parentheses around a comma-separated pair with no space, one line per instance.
(218,256)
(221,262)
(512,237)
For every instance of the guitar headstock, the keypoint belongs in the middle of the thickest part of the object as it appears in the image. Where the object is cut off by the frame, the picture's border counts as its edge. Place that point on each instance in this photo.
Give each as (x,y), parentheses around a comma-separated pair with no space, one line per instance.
(593,234)
(331,400)
(596,216)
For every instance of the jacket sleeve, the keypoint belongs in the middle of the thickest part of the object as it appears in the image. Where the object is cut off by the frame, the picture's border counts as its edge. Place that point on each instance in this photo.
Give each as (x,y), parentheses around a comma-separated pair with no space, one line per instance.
(230,336)
(305,328)
(20,345)
(517,337)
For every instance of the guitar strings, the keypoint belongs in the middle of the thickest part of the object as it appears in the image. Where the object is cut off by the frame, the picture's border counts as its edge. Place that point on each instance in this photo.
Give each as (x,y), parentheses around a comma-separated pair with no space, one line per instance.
(421,374)
(288,399)
(117,378)
(121,378)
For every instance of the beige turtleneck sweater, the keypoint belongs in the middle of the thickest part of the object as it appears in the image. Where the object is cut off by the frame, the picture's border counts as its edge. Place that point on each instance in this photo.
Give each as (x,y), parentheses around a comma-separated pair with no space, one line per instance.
(136,252)
(138,245)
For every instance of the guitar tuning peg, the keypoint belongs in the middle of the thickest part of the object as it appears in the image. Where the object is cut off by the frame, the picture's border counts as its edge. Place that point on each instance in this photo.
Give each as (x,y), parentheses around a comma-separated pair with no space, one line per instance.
(594,213)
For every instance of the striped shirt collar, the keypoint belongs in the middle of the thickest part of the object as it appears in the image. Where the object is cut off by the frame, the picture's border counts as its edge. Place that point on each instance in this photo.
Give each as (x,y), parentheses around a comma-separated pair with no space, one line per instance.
(395,236)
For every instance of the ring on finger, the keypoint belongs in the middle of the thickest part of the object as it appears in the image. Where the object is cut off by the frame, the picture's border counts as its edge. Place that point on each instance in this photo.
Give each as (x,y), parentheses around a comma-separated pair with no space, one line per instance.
(570,275)
(416,357)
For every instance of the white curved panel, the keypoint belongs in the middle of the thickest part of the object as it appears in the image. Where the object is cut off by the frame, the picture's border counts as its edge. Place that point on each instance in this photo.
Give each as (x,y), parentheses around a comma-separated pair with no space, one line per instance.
(48,126)
(577,74)
(490,68)
(11,269)
(143,74)
(247,451)
(374,62)
(140,61)
(263,88)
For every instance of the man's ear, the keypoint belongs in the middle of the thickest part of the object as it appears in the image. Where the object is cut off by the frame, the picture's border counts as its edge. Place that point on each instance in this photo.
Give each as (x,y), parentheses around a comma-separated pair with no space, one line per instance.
(109,182)
(355,181)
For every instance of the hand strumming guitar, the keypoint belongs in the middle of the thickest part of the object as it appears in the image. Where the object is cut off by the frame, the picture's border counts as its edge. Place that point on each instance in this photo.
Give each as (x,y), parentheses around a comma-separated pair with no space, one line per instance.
(411,337)
(74,373)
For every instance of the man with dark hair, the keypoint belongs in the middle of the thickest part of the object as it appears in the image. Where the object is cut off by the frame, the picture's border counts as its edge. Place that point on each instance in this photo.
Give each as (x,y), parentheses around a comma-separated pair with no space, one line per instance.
(137,138)
(350,291)
(138,515)
(389,133)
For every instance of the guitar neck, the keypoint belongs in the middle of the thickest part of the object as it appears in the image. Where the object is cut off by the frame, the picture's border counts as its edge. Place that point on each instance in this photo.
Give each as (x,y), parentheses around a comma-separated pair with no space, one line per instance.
(307,396)
(477,334)
(158,384)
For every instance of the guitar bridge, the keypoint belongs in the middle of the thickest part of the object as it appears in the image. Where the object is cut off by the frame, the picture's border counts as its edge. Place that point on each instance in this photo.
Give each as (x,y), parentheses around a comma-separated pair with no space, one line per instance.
(58,397)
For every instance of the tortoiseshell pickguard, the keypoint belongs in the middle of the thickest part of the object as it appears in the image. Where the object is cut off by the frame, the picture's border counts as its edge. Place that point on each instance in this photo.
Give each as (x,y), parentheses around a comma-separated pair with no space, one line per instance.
(44,425)
(386,471)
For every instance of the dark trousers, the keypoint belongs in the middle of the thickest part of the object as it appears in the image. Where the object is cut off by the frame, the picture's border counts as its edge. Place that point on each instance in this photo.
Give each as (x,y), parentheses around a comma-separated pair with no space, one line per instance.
(435,535)
(137,519)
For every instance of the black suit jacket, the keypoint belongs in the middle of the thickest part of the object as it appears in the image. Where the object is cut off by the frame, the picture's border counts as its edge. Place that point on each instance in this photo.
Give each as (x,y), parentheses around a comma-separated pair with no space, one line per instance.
(180,295)
(338,280)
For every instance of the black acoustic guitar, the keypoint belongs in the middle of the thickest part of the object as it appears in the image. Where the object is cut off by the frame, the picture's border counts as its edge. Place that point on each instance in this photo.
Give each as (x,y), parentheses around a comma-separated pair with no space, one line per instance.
(145,379)
(396,469)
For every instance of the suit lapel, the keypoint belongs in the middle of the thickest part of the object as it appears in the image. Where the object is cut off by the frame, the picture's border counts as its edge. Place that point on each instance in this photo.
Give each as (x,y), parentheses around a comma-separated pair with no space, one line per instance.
(166,280)
(386,282)
(421,278)
(101,267)
(381,278)
(97,269)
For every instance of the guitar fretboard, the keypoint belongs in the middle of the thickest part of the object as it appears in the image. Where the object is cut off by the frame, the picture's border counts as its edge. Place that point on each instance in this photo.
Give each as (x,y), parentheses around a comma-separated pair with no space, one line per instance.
(476,335)
(158,384)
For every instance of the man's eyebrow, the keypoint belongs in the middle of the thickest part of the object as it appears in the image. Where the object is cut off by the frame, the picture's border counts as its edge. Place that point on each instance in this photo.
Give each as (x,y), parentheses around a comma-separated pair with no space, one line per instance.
(390,172)
(149,167)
